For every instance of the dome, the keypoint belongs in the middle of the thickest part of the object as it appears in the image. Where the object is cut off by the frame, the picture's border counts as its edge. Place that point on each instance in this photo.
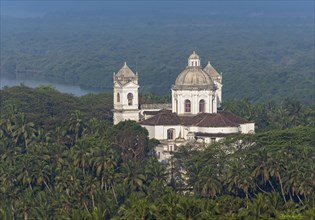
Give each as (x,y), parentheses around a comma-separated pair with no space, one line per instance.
(194,56)
(193,78)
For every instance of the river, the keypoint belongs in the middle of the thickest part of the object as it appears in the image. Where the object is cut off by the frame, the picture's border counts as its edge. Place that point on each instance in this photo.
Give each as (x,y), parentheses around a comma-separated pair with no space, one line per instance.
(75,90)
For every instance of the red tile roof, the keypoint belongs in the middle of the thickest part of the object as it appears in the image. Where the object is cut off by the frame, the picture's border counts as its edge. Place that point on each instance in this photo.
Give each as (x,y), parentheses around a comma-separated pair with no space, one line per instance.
(164,117)
(221,119)
(201,134)
(151,112)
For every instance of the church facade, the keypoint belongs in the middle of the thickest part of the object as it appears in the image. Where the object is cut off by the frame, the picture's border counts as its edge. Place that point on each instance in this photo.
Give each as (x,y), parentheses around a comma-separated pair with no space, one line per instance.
(193,115)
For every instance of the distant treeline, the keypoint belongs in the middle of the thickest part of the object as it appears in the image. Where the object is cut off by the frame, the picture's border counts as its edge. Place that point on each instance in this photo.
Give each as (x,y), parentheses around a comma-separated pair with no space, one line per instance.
(261,58)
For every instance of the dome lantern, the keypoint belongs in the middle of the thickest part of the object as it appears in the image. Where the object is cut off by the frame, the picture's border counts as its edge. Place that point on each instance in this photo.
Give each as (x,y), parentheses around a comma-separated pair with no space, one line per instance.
(194,60)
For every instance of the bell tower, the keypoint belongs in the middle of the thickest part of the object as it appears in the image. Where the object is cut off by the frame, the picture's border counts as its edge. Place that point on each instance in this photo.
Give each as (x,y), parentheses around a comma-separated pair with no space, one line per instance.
(125,95)
(217,79)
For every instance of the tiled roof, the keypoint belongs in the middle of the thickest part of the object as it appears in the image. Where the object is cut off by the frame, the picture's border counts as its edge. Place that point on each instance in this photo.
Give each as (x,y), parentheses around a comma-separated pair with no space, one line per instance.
(164,117)
(151,112)
(212,72)
(125,72)
(201,134)
(221,119)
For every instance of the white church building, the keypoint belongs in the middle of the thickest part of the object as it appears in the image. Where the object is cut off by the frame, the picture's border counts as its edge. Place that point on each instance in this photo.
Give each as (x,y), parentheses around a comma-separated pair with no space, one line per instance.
(192,116)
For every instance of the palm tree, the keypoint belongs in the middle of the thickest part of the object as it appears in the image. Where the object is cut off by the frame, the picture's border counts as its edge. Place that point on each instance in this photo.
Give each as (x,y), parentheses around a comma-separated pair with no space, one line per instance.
(260,168)
(191,208)
(310,116)
(23,131)
(6,128)
(43,174)
(168,205)
(24,172)
(58,156)
(208,183)
(104,161)
(6,213)
(155,170)
(279,118)
(300,179)
(81,155)
(140,209)
(276,166)
(86,192)
(294,110)
(76,126)
(96,127)
(43,206)
(99,213)
(42,137)
(7,175)
(259,209)
(131,176)
(238,177)
(68,180)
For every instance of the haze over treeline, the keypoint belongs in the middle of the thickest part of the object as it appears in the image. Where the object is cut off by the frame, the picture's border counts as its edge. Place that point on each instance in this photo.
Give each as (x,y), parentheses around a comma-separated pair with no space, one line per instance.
(159,8)
(264,49)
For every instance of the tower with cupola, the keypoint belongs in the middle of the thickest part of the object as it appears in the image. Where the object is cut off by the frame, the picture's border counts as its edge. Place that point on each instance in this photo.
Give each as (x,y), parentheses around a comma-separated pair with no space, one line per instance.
(126,106)
(217,79)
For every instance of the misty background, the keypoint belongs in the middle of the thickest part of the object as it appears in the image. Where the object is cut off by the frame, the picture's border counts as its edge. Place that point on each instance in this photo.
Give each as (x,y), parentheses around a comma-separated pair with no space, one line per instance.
(264,49)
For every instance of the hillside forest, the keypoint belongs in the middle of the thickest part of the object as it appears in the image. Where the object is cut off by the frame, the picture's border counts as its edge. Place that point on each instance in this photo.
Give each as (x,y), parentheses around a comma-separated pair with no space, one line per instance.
(264,53)
(62,158)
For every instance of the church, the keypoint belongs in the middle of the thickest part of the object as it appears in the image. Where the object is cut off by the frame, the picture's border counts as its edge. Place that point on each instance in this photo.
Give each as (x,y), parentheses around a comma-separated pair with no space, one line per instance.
(194,116)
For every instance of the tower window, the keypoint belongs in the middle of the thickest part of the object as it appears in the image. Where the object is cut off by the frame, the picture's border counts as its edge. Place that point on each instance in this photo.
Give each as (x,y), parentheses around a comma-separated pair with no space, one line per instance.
(118,97)
(170,134)
(202,105)
(171,148)
(187,106)
(158,155)
(130,98)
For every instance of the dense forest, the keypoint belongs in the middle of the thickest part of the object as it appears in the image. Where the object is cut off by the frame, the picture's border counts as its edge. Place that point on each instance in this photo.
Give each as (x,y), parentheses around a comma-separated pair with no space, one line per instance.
(262,54)
(61,158)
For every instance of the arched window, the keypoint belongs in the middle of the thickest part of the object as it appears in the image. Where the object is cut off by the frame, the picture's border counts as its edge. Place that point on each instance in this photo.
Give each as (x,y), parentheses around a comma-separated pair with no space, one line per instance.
(158,155)
(202,105)
(130,98)
(170,134)
(187,106)
(118,97)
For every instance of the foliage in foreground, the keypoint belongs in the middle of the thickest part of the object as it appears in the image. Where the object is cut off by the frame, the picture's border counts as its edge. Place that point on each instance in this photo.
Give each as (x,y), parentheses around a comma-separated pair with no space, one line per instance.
(85,168)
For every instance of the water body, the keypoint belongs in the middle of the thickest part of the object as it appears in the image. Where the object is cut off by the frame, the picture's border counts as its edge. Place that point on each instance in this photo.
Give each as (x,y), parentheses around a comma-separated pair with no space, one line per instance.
(75,90)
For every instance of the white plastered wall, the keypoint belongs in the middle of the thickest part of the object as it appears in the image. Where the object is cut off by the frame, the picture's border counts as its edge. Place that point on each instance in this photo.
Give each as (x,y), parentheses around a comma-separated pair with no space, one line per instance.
(122,110)
(194,96)
(248,128)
